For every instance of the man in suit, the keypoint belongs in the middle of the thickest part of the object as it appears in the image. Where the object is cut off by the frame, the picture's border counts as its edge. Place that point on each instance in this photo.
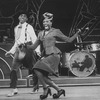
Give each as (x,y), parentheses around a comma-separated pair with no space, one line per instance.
(24,34)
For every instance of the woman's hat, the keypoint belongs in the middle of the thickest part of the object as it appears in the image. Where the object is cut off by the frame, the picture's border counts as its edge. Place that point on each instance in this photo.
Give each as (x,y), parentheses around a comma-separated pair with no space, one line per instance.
(48,16)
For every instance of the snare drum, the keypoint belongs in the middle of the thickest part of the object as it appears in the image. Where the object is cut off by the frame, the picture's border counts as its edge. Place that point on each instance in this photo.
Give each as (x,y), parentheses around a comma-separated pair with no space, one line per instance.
(93,47)
(82,63)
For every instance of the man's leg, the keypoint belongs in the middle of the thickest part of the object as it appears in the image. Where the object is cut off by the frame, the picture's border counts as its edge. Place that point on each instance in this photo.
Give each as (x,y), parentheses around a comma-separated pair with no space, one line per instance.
(35,83)
(13,83)
(13,77)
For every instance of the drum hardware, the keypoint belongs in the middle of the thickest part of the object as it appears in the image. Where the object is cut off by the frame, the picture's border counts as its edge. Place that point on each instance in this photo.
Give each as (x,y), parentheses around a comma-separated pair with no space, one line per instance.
(79,40)
(80,43)
(86,42)
(93,47)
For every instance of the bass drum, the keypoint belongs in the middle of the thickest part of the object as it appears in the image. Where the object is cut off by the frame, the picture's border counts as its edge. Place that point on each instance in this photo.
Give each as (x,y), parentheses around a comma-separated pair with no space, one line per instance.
(82,63)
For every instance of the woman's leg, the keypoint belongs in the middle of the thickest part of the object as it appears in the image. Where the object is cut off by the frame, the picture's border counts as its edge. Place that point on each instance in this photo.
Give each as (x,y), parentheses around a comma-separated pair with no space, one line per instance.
(51,83)
(41,78)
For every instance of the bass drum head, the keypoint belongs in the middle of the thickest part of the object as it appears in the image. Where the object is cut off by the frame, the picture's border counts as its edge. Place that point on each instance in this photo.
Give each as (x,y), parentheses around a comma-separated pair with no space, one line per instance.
(82,63)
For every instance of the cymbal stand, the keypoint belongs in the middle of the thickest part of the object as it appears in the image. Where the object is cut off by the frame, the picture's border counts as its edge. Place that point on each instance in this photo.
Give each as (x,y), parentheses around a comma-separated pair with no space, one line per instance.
(79,40)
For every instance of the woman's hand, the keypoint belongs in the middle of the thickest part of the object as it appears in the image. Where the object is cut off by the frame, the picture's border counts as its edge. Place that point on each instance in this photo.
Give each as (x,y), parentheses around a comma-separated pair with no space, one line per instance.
(8,54)
(78,31)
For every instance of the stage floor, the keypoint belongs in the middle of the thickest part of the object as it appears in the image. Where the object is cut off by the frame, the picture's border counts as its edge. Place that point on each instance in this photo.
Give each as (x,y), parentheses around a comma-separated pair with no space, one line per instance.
(72,93)
(61,81)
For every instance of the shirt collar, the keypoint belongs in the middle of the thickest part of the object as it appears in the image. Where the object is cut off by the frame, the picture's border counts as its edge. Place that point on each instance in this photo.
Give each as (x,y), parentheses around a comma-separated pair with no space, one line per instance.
(22,24)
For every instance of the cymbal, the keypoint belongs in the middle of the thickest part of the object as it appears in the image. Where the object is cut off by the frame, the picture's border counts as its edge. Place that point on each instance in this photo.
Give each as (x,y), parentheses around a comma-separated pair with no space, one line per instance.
(87,42)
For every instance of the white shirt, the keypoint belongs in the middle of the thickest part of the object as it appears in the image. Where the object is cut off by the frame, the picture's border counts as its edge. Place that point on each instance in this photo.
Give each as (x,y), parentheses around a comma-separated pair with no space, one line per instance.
(20,37)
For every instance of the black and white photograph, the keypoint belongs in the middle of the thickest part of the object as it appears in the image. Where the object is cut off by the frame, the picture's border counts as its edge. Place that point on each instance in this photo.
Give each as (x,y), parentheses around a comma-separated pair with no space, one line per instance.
(49,49)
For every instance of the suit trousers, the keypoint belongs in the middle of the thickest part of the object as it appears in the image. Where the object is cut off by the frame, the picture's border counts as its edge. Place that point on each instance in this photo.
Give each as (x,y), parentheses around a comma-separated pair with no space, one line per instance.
(28,62)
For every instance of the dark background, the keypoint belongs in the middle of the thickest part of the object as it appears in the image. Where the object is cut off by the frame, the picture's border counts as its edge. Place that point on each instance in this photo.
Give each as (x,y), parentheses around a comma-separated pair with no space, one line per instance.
(63,10)
(68,16)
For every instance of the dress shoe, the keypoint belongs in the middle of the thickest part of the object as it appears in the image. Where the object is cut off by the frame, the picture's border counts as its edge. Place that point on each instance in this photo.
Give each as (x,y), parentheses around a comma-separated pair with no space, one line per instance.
(60,92)
(46,95)
(35,89)
(12,93)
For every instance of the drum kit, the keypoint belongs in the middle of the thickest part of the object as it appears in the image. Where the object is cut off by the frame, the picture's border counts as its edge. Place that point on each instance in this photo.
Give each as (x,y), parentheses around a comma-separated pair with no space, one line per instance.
(82,61)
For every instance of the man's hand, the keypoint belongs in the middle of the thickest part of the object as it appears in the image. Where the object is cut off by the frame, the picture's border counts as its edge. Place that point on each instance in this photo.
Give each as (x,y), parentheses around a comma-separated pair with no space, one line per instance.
(29,47)
(8,54)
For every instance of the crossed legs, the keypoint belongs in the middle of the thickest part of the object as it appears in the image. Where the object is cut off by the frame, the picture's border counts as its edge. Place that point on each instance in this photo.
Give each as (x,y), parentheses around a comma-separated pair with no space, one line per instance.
(46,81)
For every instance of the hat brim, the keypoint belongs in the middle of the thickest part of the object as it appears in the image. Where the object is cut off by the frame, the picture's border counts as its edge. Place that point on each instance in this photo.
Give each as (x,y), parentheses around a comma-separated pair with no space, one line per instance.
(23,12)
